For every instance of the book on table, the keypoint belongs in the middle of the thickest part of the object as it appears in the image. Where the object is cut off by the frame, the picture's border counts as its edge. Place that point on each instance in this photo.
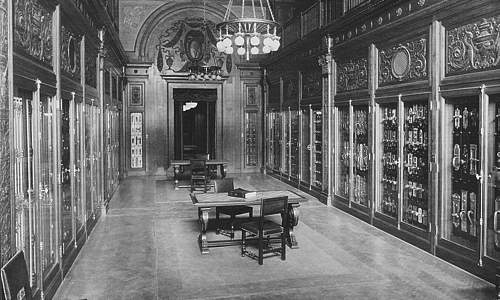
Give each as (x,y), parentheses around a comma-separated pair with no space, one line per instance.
(242,193)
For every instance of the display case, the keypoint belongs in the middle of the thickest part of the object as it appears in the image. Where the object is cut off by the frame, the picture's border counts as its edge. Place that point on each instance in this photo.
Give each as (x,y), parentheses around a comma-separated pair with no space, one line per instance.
(66,180)
(415,170)
(277,140)
(306,145)
(317,148)
(461,180)
(360,154)
(342,152)
(285,169)
(77,168)
(251,140)
(294,144)
(387,147)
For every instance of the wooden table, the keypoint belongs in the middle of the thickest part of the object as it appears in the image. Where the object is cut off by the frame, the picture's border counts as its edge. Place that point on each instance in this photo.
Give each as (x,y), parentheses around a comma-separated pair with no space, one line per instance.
(180,164)
(205,202)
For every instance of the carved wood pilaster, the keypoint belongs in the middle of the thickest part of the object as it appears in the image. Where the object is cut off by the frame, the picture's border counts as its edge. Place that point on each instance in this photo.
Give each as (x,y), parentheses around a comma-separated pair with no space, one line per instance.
(5,199)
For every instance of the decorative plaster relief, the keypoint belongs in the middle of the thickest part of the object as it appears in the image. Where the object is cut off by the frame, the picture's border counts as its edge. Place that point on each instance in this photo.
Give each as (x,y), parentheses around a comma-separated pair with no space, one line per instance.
(403,62)
(33,29)
(189,42)
(132,17)
(353,75)
(474,47)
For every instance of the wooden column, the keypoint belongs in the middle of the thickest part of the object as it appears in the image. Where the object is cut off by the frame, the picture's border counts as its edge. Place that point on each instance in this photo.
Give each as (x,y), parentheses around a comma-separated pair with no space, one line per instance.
(6,228)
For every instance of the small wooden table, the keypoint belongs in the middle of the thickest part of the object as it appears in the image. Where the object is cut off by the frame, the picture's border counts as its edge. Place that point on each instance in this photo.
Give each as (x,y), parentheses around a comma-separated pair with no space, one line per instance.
(205,202)
(180,164)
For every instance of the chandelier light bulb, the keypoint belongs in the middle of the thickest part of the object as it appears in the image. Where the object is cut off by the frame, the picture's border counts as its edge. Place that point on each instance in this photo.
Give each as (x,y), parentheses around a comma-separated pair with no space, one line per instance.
(218,77)
(255,41)
(268,41)
(227,42)
(275,45)
(229,50)
(254,50)
(239,40)
(241,51)
(266,49)
(220,46)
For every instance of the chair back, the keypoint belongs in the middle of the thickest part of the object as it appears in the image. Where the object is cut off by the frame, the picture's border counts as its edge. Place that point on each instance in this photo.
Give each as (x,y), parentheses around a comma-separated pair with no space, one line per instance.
(223,185)
(15,278)
(271,206)
(198,165)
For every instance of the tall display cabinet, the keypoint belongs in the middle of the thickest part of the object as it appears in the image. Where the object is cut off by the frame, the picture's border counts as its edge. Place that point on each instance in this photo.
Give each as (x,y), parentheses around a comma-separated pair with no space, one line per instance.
(56,135)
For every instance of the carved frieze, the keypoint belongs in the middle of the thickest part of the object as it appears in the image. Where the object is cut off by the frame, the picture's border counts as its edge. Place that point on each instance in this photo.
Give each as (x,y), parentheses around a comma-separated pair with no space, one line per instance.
(403,62)
(90,65)
(70,53)
(190,42)
(33,30)
(474,47)
(311,83)
(352,75)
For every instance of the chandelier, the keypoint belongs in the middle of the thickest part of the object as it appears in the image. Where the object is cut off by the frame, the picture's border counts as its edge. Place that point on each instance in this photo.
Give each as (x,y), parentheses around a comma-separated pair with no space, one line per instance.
(250,34)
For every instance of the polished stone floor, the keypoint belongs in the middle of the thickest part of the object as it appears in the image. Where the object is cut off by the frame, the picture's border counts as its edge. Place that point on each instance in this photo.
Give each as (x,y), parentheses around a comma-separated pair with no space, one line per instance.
(146,248)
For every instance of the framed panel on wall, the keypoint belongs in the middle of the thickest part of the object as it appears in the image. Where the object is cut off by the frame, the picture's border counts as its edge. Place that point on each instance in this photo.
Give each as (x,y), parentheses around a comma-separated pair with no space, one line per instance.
(252,98)
(136,140)
(136,94)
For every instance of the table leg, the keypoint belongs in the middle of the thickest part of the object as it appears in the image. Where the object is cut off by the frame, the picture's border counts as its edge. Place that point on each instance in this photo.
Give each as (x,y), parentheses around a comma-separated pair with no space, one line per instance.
(293,220)
(177,172)
(223,170)
(202,238)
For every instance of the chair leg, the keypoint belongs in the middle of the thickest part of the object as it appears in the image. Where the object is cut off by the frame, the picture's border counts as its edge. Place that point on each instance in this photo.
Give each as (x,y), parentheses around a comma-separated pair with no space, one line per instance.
(243,243)
(217,221)
(232,227)
(283,247)
(261,250)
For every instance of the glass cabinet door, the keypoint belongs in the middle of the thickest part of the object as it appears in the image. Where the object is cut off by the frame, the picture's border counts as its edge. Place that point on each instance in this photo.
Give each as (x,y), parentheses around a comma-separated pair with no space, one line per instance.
(286,140)
(343,152)
(360,154)
(415,171)
(306,146)
(88,162)
(47,196)
(460,181)
(67,216)
(251,152)
(388,147)
(269,141)
(97,157)
(277,137)
(493,196)
(77,167)
(317,149)
(294,143)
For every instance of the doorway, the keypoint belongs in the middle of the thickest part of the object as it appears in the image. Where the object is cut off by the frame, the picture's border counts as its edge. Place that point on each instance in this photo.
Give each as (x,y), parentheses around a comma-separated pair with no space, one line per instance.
(195,122)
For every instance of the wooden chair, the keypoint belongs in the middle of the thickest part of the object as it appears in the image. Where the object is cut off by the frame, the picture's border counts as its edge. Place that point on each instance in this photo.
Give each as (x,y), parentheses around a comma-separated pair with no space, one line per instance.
(15,279)
(263,228)
(226,185)
(199,174)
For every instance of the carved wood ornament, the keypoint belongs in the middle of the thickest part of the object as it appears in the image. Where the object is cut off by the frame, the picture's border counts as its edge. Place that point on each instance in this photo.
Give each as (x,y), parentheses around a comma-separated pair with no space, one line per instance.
(33,30)
(70,53)
(353,75)
(474,47)
(403,62)
(189,42)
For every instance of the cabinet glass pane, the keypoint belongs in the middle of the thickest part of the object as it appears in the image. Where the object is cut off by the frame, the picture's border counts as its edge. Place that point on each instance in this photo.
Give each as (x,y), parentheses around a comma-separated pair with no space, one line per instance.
(67,205)
(78,201)
(96,153)
(415,175)
(461,136)
(360,154)
(317,148)
(306,146)
(269,139)
(88,160)
(48,229)
(493,201)
(294,143)
(343,153)
(286,139)
(251,139)
(277,136)
(387,200)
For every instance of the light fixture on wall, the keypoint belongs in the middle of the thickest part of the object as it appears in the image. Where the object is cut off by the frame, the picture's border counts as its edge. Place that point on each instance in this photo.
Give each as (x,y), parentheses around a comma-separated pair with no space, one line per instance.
(251,33)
